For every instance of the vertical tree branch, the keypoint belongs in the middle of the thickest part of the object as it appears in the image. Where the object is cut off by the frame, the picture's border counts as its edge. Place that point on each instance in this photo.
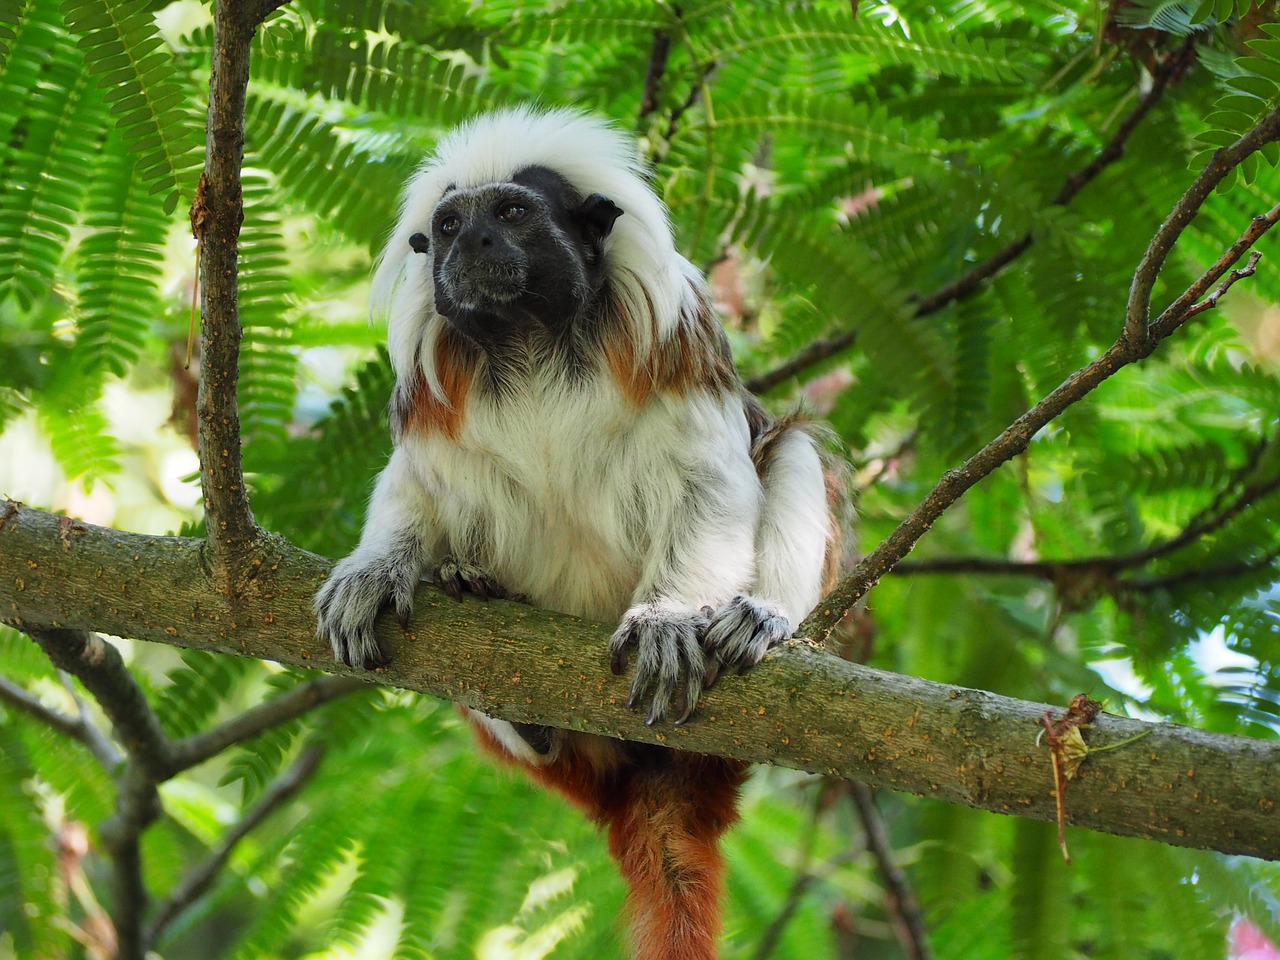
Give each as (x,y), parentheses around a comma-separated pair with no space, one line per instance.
(232,530)
(900,898)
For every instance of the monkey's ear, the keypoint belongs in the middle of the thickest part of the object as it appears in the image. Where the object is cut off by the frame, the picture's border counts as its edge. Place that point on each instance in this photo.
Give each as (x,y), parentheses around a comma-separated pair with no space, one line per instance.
(419,243)
(596,216)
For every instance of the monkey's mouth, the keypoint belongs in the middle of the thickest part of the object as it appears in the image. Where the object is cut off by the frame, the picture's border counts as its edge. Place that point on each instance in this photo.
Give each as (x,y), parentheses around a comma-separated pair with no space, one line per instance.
(488,284)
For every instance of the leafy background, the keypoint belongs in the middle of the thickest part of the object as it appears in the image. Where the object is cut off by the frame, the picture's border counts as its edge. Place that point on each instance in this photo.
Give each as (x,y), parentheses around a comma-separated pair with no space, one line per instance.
(829,170)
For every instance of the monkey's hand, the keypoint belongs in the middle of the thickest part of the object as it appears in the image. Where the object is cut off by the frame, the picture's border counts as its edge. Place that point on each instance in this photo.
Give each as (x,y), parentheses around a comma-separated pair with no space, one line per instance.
(740,634)
(665,636)
(455,577)
(350,600)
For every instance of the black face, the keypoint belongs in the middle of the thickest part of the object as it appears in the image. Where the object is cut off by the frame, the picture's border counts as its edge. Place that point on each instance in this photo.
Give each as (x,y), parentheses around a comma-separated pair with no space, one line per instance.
(517,257)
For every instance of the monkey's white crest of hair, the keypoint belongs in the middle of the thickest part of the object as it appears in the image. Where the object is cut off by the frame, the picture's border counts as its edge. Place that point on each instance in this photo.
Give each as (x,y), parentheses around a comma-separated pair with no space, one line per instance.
(644,269)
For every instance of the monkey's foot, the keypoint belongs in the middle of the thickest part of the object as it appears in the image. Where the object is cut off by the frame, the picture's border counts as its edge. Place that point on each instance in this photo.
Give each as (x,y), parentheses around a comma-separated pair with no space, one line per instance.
(350,600)
(740,634)
(456,577)
(665,637)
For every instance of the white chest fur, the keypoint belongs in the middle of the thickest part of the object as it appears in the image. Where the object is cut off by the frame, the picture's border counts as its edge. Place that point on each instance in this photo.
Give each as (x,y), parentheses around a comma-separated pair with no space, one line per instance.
(563,492)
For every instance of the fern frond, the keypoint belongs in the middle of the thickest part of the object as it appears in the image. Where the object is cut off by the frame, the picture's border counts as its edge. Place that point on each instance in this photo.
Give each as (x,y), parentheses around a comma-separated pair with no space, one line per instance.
(11,12)
(126,54)
(330,176)
(324,506)
(863,131)
(197,689)
(79,433)
(1254,93)
(268,385)
(48,156)
(29,900)
(587,23)
(1175,17)
(818,32)
(398,78)
(118,265)
(12,403)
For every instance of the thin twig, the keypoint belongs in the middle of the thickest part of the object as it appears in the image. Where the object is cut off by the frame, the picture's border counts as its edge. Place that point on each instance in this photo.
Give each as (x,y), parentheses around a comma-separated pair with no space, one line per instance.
(1224,571)
(1179,311)
(901,902)
(811,355)
(658,53)
(256,11)
(800,883)
(99,744)
(1104,566)
(249,724)
(194,884)
(1137,327)
(1171,69)
(75,727)
(137,807)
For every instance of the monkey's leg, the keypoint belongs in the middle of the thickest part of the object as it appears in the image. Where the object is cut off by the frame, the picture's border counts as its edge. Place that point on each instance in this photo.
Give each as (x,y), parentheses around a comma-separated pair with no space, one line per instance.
(456,577)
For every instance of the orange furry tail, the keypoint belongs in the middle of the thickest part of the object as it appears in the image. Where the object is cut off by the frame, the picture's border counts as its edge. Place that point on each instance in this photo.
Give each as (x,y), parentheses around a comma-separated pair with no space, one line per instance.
(665,824)
(665,811)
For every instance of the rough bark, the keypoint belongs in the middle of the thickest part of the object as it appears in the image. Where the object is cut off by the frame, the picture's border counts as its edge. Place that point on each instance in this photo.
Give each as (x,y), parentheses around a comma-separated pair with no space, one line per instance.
(801,708)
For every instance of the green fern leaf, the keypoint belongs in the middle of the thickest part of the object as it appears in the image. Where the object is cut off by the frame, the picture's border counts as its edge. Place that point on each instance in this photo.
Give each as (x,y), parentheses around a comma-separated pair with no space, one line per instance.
(29,895)
(197,689)
(268,383)
(1254,93)
(11,12)
(45,180)
(12,403)
(333,179)
(79,433)
(347,449)
(397,78)
(119,264)
(127,55)
(817,32)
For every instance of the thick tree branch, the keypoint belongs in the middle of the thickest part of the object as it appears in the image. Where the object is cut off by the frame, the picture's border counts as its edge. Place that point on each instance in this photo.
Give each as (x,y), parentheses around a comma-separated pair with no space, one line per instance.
(968,283)
(1017,436)
(800,708)
(137,807)
(98,666)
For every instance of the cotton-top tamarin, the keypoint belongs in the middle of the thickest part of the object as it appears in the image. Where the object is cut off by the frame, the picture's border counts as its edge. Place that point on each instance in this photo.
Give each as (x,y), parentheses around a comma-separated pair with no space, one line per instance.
(569,429)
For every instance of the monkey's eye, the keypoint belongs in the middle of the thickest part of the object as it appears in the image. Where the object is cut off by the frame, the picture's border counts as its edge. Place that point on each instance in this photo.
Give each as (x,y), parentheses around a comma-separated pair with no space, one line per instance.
(511,212)
(449,226)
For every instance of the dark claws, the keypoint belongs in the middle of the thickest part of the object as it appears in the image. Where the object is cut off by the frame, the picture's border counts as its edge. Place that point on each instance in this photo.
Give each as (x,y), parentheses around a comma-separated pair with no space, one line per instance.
(713,673)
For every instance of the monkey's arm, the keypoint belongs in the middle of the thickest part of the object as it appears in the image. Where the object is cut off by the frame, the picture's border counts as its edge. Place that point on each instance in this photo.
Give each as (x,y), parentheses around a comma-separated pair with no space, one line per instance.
(399,540)
(700,554)
(793,553)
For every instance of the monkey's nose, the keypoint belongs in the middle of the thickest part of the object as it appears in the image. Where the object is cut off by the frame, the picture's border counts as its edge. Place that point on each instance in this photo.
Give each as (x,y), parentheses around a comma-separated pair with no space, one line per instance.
(473,241)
